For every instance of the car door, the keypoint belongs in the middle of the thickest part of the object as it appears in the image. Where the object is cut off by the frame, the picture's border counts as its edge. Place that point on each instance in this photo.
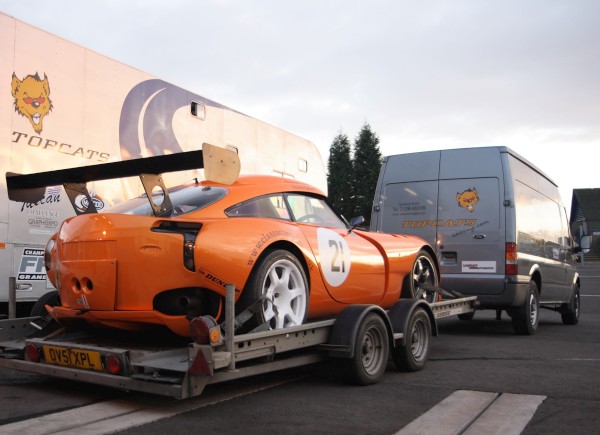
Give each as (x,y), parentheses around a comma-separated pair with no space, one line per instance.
(352,268)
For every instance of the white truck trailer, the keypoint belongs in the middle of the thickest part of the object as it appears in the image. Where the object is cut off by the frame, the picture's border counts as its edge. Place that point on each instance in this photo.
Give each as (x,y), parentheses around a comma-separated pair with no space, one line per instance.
(63,105)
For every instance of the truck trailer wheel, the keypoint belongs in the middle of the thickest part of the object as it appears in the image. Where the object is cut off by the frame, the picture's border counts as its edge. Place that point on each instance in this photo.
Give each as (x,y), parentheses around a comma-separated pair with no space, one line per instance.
(369,362)
(39,308)
(525,318)
(413,356)
(570,312)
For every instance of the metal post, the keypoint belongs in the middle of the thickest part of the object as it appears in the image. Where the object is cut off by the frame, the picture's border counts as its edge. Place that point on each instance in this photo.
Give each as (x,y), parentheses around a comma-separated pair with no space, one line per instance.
(230,322)
(12,297)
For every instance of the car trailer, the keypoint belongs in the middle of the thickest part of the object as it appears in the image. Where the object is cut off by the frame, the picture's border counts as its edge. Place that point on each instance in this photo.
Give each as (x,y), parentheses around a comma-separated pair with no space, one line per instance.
(360,338)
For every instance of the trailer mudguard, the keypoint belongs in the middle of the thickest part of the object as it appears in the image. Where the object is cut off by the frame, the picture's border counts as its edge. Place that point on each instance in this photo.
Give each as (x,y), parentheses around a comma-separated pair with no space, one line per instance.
(401,312)
(342,339)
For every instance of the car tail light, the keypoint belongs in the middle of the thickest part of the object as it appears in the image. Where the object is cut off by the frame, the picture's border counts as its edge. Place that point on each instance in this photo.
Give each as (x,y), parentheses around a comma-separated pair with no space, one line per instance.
(32,353)
(112,364)
(189,231)
(512,264)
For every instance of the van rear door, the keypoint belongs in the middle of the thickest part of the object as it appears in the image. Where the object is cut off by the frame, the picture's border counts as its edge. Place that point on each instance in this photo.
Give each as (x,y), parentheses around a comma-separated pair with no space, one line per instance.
(470,242)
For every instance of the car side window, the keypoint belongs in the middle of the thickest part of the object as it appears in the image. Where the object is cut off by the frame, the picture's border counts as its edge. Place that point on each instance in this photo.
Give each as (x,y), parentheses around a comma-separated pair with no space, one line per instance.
(313,210)
(270,207)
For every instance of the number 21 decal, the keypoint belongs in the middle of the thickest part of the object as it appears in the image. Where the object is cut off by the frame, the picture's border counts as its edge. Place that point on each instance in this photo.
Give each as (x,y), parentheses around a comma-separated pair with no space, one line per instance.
(335,256)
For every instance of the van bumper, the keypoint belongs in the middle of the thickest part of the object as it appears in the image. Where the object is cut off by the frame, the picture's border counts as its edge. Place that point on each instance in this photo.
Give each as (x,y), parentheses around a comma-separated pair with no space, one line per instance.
(514,295)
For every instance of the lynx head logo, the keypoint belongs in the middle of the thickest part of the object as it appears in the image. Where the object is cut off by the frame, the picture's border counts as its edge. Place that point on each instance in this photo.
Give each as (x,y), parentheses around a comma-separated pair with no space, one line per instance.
(32,98)
(468,199)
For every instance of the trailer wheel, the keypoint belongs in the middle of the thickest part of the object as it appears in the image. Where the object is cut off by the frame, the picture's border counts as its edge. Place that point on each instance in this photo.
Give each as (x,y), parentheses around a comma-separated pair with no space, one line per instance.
(413,356)
(280,282)
(570,312)
(39,308)
(371,350)
(423,271)
(525,318)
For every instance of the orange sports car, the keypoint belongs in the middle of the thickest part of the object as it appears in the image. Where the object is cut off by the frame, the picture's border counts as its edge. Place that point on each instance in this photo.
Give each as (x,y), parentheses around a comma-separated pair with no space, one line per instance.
(165,257)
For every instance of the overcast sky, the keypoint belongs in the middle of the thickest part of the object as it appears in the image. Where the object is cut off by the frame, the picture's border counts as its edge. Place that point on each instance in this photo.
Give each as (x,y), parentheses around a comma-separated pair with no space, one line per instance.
(424,74)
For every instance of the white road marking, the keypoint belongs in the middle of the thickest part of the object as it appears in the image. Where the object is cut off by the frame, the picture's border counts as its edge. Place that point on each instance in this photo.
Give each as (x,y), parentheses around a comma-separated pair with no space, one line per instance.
(473,412)
(116,415)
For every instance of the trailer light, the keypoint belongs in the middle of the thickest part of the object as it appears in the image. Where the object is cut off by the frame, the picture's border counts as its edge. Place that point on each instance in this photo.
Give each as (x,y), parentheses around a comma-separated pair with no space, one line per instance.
(112,364)
(32,353)
(200,329)
(512,260)
(215,335)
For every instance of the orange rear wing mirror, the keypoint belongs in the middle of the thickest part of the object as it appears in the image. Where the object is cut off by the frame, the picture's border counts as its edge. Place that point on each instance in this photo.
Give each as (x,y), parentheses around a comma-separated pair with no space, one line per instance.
(220,165)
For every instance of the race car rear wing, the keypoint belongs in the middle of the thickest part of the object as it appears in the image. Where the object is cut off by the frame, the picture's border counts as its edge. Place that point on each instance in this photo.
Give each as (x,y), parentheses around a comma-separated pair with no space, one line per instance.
(220,165)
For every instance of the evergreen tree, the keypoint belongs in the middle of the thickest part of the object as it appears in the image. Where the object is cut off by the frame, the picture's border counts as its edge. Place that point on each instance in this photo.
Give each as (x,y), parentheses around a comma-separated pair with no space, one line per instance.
(340,175)
(365,165)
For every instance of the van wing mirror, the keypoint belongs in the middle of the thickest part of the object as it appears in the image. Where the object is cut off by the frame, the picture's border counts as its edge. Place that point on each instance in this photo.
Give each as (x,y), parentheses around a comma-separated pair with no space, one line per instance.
(585,243)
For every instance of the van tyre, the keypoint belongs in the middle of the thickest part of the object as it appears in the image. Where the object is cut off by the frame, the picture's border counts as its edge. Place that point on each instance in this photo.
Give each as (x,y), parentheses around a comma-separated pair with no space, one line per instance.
(413,355)
(280,283)
(525,318)
(39,308)
(570,312)
(371,351)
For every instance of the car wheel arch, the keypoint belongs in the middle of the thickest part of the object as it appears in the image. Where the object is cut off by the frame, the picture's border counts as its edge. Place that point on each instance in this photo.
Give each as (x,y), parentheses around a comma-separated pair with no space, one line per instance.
(286,246)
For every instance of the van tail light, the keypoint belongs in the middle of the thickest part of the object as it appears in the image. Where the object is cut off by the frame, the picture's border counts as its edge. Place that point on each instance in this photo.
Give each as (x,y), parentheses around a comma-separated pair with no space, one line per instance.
(512,264)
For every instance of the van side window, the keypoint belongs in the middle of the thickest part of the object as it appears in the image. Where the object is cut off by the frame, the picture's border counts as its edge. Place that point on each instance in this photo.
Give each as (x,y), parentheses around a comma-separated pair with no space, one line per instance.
(539,223)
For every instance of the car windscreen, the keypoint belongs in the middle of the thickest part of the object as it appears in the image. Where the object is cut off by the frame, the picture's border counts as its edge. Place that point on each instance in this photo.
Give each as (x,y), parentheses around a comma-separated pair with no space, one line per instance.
(185,199)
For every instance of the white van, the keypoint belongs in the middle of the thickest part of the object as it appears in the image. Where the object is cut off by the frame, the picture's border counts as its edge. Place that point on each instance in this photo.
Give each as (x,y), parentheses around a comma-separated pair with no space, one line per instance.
(497,223)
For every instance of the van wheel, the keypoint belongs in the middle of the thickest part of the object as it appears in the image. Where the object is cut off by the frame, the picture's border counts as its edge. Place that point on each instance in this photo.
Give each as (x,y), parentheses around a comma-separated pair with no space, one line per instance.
(39,308)
(423,271)
(570,312)
(466,316)
(525,319)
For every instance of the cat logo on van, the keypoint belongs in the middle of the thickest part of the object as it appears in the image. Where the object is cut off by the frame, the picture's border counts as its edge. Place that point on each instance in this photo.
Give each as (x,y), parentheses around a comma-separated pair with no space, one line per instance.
(467,199)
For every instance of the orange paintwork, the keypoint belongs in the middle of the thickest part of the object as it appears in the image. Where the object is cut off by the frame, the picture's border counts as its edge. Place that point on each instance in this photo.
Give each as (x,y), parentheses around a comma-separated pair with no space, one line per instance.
(109,268)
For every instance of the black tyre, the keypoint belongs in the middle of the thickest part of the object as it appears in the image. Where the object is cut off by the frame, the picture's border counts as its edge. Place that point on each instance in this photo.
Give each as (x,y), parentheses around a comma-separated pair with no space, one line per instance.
(413,356)
(570,312)
(371,350)
(423,271)
(39,308)
(279,280)
(466,316)
(525,318)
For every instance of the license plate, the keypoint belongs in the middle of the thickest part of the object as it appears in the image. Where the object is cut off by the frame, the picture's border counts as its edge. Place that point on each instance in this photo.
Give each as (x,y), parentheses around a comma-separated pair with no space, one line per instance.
(82,359)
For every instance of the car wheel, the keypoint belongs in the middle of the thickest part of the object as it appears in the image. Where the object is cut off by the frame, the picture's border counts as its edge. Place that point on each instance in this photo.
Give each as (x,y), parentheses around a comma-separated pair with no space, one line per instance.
(371,350)
(423,271)
(525,319)
(39,308)
(413,355)
(570,312)
(280,283)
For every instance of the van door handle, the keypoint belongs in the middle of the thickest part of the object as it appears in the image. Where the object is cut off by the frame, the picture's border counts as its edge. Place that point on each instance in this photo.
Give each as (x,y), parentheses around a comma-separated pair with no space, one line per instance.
(479,236)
